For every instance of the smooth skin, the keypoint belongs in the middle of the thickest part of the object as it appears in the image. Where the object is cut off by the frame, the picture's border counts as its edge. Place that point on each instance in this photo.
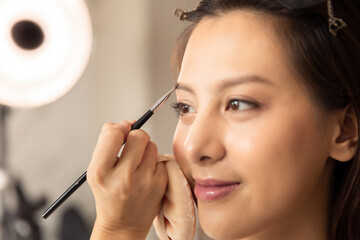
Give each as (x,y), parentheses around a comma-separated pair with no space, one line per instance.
(128,190)
(245,117)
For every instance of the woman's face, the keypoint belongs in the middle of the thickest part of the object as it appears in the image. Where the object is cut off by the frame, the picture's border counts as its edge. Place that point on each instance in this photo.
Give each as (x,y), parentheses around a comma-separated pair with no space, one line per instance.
(251,141)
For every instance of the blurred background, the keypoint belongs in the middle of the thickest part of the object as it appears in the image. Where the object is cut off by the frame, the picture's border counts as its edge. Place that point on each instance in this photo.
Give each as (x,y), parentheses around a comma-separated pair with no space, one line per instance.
(48,147)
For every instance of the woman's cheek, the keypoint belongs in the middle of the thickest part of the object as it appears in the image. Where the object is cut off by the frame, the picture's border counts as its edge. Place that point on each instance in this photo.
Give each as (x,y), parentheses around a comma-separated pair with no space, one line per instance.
(179,153)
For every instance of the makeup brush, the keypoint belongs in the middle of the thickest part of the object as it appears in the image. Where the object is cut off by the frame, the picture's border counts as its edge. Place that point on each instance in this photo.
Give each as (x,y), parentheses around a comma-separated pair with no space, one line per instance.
(82,179)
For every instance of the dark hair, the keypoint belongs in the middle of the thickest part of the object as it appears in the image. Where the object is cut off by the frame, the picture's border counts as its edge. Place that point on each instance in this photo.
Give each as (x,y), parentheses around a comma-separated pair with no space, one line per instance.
(330,67)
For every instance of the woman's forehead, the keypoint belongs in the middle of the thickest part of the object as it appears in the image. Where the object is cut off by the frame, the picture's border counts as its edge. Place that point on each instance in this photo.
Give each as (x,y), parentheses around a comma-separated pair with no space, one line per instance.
(234,45)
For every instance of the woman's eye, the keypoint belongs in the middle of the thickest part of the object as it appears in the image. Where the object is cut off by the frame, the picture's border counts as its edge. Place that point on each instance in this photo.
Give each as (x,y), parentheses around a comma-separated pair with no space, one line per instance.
(239,105)
(182,108)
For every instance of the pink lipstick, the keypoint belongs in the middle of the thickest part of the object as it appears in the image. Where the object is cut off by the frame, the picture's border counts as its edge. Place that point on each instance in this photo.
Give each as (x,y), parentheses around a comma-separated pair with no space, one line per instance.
(210,189)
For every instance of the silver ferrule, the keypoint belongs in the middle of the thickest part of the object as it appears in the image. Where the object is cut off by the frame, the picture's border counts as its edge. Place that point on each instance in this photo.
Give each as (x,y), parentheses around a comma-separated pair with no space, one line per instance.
(163,99)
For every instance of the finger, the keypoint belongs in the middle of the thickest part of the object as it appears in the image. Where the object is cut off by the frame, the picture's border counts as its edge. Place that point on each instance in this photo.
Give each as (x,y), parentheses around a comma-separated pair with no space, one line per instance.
(164,157)
(161,175)
(133,151)
(111,139)
(148,163)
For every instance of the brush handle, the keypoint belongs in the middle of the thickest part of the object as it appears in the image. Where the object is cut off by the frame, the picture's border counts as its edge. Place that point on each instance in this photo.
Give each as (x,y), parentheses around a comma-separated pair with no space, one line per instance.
(138,124)
(65,196)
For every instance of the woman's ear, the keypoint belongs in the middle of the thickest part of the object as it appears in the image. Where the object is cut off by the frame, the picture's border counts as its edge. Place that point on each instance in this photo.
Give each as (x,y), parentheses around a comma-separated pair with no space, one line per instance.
(345,139)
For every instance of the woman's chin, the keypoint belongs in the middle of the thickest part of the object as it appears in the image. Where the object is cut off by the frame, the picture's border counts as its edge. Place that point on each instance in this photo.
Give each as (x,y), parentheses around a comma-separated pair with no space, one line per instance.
(215,228)
(216,233)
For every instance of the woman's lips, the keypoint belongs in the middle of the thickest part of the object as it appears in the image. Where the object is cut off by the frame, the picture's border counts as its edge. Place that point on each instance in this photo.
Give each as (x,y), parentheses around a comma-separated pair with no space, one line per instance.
(212,189)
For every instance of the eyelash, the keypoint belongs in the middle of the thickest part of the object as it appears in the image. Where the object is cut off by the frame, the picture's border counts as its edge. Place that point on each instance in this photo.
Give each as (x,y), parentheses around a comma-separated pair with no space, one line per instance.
(179,106)
(253,105)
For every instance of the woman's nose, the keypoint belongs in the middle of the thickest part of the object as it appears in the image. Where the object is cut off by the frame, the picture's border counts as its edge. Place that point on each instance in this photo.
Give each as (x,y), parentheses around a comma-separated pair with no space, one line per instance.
(204,143)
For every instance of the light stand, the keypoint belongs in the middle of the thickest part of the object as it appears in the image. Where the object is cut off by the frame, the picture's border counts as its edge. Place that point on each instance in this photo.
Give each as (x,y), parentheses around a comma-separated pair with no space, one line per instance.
(18,221)
(45,48)
(3,114)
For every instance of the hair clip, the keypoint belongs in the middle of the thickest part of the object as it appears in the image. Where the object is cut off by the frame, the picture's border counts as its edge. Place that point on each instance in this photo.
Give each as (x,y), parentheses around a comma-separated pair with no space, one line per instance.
(181,14)
(334,23)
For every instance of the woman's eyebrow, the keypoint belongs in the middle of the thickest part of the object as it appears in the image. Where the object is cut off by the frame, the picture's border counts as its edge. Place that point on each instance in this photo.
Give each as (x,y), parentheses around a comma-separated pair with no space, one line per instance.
(180,86)
(227,83)
(243,80)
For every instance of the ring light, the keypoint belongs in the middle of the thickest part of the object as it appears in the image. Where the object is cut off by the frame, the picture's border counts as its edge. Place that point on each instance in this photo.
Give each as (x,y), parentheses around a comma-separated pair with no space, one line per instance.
(45,46)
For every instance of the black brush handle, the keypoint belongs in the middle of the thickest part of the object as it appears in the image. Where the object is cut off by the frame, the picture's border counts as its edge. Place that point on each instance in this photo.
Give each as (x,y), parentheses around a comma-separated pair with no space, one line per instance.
(65,196)
(138,124)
